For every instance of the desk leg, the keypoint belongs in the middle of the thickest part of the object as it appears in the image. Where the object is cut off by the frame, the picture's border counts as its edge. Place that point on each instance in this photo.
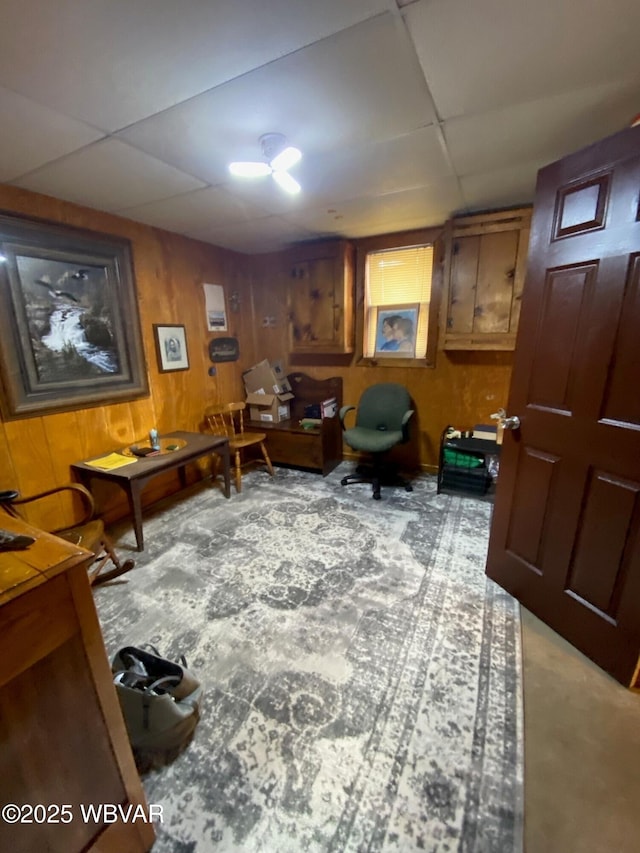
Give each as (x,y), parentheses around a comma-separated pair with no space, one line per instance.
(182,473)
(133,494)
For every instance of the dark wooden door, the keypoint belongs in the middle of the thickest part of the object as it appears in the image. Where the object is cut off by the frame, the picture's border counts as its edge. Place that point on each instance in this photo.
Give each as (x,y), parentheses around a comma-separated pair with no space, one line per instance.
(565,537)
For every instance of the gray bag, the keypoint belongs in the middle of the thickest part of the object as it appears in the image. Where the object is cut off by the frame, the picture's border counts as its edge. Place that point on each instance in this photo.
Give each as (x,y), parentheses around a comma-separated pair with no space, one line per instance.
(160,705)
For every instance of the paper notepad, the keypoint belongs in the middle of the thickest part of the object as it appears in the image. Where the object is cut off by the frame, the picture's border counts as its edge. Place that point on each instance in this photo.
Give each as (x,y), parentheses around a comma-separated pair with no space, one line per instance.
(113,460)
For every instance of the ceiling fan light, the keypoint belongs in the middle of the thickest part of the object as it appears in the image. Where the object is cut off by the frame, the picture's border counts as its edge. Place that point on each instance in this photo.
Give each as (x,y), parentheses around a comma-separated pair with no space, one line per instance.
(286,159)
(286,182)
(249,170)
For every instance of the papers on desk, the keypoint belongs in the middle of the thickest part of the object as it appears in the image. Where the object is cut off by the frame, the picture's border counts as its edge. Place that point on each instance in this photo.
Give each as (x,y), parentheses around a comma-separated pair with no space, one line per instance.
(113,460)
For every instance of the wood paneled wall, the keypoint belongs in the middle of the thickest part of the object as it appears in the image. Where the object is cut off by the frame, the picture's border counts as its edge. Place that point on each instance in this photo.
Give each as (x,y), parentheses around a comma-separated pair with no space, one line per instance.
(35,453)
(463,388)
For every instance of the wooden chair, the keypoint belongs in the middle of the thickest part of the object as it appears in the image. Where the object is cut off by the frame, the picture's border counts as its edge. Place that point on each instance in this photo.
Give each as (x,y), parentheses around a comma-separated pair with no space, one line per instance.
(87,532)
(228,419)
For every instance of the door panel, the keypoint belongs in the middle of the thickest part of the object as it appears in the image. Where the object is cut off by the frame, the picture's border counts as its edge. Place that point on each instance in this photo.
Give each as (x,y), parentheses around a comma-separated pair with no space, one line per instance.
(565,537)
(535,476)
(581,207)
(596,571)
(566,297)
(620,407)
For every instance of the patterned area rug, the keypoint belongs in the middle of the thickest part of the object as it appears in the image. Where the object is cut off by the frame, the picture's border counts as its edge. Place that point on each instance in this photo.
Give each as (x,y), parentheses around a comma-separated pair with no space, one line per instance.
(362,673)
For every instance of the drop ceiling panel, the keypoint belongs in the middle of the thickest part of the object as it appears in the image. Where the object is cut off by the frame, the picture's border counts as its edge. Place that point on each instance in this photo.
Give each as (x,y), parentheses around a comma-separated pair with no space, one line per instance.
(192,211)
(415,208)
(481,56)
(33,135)
(260,235)
(184,89)
(391,165)
(109,175)
(548,128)
(265,194)
(377,168)
(361,85)
(111,64)
(508,187)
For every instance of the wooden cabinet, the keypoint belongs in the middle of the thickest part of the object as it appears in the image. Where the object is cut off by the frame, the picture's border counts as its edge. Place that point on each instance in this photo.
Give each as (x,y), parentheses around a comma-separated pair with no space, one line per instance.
(320,282)
(64,741)
(485,263)
(288,443)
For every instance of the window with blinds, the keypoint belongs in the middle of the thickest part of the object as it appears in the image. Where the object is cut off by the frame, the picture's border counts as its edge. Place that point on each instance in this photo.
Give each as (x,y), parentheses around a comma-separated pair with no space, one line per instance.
(397,298)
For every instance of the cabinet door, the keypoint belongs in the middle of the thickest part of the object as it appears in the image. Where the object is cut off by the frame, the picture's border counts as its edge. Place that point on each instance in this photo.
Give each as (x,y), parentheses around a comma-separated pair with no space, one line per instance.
(485,276)
(320,286)
(315,309)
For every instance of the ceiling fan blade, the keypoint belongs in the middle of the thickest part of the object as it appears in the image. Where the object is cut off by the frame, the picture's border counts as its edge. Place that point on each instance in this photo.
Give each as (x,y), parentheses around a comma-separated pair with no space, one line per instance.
(286,159)
(286,182)
(249,170)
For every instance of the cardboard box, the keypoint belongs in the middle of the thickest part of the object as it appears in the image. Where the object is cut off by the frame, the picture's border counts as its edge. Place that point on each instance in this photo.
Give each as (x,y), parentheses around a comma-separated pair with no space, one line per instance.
(269,408)
(267,378)
(268,392)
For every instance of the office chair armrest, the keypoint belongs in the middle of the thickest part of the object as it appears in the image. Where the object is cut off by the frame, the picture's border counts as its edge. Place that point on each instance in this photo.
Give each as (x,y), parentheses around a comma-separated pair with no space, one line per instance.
(88,505)
(405,424)
(343,413)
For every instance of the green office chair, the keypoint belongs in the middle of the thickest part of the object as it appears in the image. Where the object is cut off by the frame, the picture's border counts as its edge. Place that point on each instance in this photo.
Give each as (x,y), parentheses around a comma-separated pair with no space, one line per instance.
(382,421)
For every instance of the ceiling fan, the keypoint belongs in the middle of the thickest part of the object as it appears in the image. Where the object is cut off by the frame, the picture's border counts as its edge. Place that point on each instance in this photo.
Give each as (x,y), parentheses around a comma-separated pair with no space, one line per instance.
(279,157)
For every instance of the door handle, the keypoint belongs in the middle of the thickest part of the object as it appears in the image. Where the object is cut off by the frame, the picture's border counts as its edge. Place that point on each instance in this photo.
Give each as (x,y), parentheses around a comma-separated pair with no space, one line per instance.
(504,422)
(511,423)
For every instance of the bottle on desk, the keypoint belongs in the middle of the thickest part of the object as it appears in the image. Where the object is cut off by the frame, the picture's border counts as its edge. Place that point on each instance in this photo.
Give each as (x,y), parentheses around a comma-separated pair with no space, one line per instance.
(153,439)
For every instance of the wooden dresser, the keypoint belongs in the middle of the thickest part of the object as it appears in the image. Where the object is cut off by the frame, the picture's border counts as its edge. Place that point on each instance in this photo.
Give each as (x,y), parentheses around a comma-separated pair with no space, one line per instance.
(63,742)
(288,443)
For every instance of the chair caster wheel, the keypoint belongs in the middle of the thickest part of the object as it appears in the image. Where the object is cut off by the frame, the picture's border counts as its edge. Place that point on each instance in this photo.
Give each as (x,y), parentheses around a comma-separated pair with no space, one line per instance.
(344,481)
(376,496)
(408,488)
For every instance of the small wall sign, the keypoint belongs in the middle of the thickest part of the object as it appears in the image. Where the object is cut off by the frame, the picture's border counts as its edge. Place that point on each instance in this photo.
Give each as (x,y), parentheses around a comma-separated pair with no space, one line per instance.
(224,349)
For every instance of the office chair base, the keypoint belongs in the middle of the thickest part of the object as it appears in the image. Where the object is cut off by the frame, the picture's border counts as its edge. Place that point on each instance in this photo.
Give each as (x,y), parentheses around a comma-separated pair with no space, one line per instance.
(365,474)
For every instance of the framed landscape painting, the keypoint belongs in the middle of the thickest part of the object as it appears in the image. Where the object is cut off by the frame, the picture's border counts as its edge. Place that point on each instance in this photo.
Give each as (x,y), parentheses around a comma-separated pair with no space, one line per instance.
(69,323)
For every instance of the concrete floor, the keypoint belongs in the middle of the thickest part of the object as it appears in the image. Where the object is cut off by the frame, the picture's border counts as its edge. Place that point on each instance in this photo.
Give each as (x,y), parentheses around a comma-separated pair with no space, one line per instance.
(582,751)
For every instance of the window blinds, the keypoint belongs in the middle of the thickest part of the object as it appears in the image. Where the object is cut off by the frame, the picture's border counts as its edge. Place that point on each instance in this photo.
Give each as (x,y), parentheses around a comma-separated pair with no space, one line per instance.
(398,277)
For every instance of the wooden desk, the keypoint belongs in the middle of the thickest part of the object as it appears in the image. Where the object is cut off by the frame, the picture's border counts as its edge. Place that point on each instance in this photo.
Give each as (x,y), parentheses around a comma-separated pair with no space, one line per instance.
(64,741)
(133,478)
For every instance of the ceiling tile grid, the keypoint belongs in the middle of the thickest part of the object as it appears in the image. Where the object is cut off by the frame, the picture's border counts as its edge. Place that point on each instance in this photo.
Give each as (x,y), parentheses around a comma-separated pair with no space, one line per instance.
(406,111)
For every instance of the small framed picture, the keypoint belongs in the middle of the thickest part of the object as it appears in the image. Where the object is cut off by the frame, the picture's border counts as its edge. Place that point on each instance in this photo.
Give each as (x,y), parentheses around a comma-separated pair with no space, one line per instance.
(396,327)
(171,348)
